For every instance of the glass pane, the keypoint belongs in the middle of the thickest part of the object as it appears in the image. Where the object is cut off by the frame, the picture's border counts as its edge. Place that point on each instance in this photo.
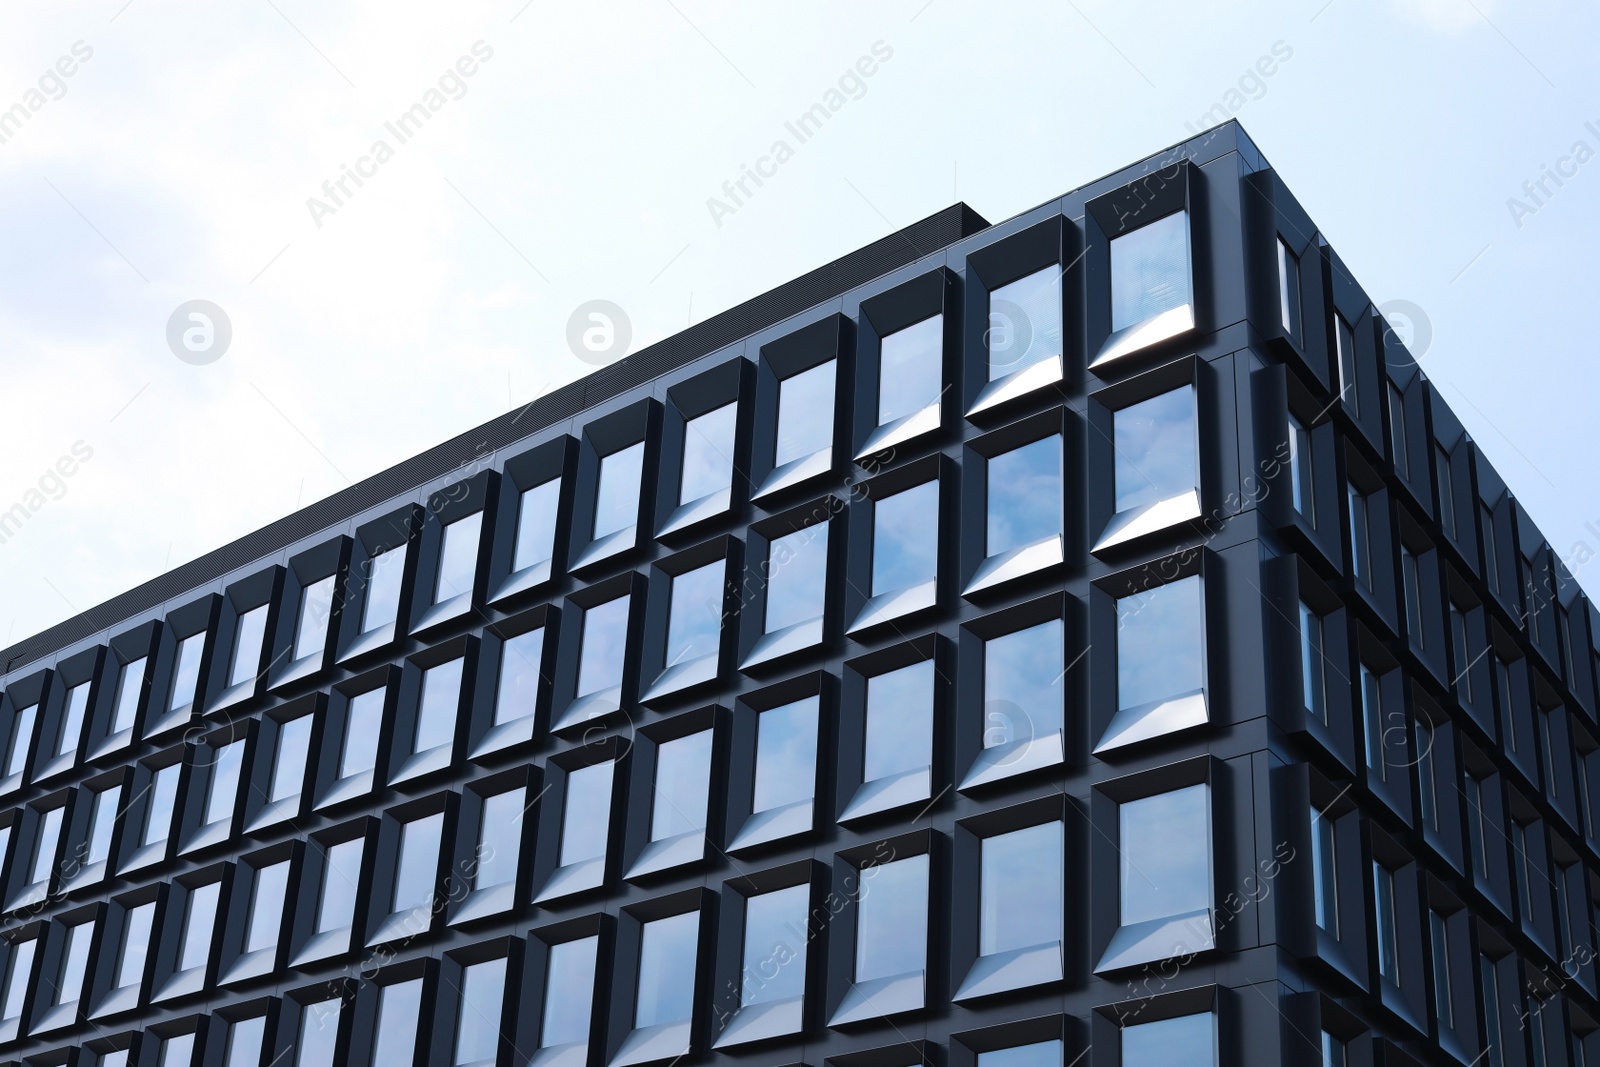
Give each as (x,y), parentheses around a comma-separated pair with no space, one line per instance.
(20,974)
(458,557)
(1360,547)
(1332,1051)
(1439,937)
(805,413)
(1372,723)
(1156,451)
(683,785)
(536,524)
(186,676)
(892,919)
(1024,495)
(75,962)
(910,369)
(500,839)
(797,569)
(247,645)
(224,782)
(1344,340)
(163,796)
(1020,893)
(518,695)
(1187,1041)
(399,1008)
(1025,322)
(569,992)
(1022,676)
(341,882)
(774,946)
(695,624)
(1325,871)
(616,505)
(786,755)
(1160,643)
(707,454)
(129,688)
(1300,478)
(1288,289)
(77,704)
(319,1034)
(119,1058)
(364,723)
(417,871)
(899,721)
(289,764)
(905,540)
(1388,933)
(1312,690)
(483,988)
(198,924)
(101,822)
(667,951)
(437,706)
(586,815)
(603,645)
(1042,1054)
(245,1039)
(384,573)
(178,1051)
(266,907)
(135,944)
(21,740)
(1150,271)
(316,605)
(46,845)
(1166,854)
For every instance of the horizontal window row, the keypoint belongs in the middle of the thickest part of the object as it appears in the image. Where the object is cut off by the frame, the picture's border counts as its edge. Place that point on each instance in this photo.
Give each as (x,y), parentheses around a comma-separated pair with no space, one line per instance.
(376,885)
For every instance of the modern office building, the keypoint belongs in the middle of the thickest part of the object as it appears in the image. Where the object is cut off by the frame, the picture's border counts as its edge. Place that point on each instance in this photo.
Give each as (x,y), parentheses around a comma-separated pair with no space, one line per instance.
(1085,639)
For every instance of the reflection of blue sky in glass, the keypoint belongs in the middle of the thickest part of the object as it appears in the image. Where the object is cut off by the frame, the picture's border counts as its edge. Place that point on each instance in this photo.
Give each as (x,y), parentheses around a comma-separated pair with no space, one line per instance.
(536,524)
(436,708)
(78,708)
(101,823)
(797,566)
(910,369)
(135,946)
(44,847)
(266,906)
(163,796)
(905,538)
(1186,1041)
(187,675)
(129,685)
(1024,495)
(225,768)
(605,637)
(499,839)
(247,650)
(319,1037)
(483,991)
(1039,1054)
(384,572)
(1156,451)
(683,785)
(458,557)
(1020,895)
(289,762)
(695,622)
(774,946)
(899,721)
(892,919)
(786,755)
(616,503)
(1160,639)
(519,676)
(365,720)
(198,925)
(569,992)
(1025,322)
(1150,271)
(399,1008)
(340,877)
(1166,854)
(316,604)
(1022,684)
(707,453)
(805,413)
(418,866)
(586,814)
(667,949)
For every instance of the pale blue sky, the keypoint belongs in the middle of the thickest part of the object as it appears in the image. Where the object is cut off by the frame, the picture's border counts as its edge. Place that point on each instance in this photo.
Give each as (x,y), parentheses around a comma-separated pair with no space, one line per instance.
(576,162)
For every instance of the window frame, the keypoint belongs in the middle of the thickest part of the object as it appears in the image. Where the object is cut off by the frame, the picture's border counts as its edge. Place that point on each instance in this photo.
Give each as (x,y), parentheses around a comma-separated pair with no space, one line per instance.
(880,317)
(780,359)
(468,902)
(747,828)
(740,1024)
(385,925)
(405,763)
(486,736)
(857,799)
(762,651)
(475,495)
(260,591)
(645,855)
(554,460)
(731,383)
(551,879)
(868,609)
(396,531)
(661,679)
(849,1001)
(570,709)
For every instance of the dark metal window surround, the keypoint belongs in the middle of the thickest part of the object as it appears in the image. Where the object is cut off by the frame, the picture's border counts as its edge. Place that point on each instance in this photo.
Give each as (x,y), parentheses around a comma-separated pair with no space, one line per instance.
(978,662)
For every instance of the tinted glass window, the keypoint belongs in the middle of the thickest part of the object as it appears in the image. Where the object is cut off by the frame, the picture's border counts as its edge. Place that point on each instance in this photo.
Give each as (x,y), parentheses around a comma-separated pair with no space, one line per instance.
(1288,289)
(75,961)
(536,524)
(1150,271)
(667,949)
(1325,871)
(1160,643)
(708,454)
(77,706)
(46,845)
(163,795)
(586,815)
(905,542)
(1166,854)
(316,605)
(786,755)
(797,567)
(247,645)
(774,946)
(198,924)
(436,707)
(135,944)
(21,740)
(266,906)
(1156,450)
(500,839)
(178,1051)
(518,693)
(1042,1054)
(695,624)
(1300,476)
(1187,1041)
(102,821)
(483,987)
(604,643)
(805,413)
(186,676)
(129,686)
(899,721)
(319,1034)
(229,759)
(245,1039)
(1022,678)
(1025,322)
(384,573)
(1312,690)
(616,505)
(399,1008)
(910,369)
(568,992)
(892,919)
(289,763)
(683,784)
(1020,892)
(458,557)
(341,880)
(1024,488)
(361,733)
(418,868)
(19,974)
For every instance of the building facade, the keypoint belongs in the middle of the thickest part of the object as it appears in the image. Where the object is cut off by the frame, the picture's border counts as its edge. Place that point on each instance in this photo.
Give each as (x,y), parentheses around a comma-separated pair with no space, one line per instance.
(1085,639)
